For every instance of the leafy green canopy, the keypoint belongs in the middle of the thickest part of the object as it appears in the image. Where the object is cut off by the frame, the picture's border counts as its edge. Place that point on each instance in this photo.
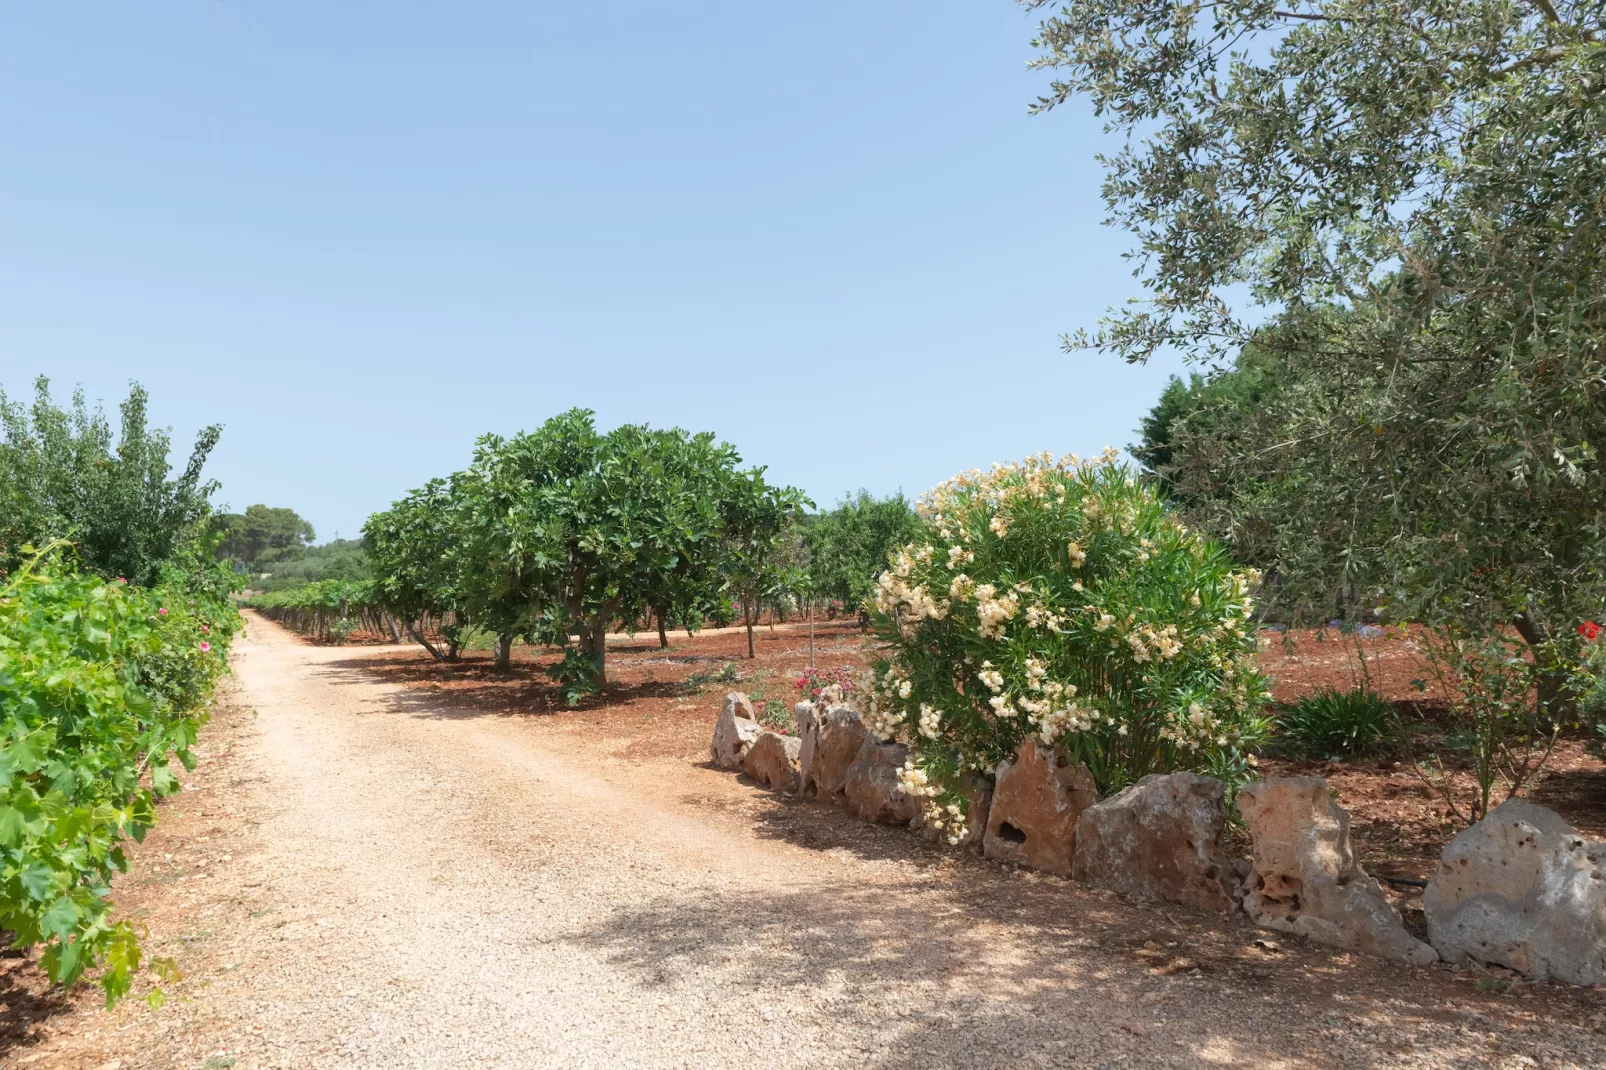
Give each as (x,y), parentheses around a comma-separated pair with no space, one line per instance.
(100,684)
(849,546)
(1410,195)
(64,474)
(560,531)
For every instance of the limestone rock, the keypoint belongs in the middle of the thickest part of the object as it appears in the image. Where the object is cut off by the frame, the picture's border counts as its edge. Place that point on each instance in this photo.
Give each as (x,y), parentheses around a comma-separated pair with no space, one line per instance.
(734,732)
(872,787)
(1162,838)
(772,761)
(806,715)
(1303,878)
(830,745)
(1522,889)
(1037,799)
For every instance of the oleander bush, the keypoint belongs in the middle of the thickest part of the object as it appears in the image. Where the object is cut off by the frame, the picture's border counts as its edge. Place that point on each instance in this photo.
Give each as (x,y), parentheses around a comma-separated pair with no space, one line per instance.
(1063,600)
(102,684)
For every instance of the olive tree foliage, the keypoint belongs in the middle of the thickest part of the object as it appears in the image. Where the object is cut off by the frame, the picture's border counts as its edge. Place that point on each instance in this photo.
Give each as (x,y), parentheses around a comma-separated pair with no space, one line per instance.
(1410,197)
(68,474)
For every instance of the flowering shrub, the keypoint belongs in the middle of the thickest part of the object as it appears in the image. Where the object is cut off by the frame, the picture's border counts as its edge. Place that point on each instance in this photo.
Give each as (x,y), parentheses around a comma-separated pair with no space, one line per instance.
(1062,600)
(814,681)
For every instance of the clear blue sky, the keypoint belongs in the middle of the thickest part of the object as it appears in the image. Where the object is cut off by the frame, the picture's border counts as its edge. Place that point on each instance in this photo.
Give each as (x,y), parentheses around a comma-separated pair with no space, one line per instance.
(361,234)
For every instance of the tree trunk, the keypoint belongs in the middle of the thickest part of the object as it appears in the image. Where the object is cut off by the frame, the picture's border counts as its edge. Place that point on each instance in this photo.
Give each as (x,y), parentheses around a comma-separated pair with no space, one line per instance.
(451,648)
(425,643)
(599,647)
(663,634)
(504,651)
(1555,701)
(747,615)
(811,634)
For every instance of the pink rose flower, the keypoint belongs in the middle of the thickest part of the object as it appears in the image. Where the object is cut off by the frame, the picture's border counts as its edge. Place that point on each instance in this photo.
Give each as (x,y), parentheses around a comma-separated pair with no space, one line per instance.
(205,646)
(162,612)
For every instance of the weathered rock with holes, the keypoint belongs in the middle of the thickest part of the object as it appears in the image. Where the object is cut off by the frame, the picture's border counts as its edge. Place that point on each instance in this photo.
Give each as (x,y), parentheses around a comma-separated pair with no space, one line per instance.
(1303,878)
(735,731)
(1522,889)
(978,800)
(772,761)
(1162,838)
(872,786)
(1037,799)
(830,745)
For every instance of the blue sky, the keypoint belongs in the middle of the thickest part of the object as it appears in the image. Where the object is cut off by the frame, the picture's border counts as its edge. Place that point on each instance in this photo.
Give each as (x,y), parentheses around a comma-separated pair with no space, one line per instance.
(361,234)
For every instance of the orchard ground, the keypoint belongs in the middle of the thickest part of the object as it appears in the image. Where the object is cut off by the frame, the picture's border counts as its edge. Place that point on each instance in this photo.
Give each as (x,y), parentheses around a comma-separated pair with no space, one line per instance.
(387,861)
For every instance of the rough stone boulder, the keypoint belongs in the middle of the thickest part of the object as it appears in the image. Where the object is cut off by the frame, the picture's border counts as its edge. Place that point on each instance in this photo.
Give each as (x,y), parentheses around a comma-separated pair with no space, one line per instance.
(772,761)
(1522,889)
(831,743)
(1303,878)
(872,787)
(806,715)
(734,732)
(979,799)
(1037,799)
(1161,838)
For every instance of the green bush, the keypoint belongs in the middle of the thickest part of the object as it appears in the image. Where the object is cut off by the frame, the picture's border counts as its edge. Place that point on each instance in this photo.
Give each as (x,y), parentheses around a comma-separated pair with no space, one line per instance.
(101,684)
(1063,600)
(1333,723)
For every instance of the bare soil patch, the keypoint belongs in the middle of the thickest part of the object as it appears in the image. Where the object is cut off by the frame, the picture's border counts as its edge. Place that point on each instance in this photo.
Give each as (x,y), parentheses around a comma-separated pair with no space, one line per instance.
(404,864)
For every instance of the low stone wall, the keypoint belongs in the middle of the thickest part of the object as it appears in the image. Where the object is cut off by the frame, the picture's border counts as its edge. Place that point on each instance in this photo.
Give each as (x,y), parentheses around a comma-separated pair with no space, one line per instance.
(1519,889)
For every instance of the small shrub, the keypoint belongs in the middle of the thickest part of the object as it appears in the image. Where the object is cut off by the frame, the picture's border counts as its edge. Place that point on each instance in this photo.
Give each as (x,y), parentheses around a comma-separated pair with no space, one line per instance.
(699,682)
(773,714)
(814,681)
(1333,723)
(575,675)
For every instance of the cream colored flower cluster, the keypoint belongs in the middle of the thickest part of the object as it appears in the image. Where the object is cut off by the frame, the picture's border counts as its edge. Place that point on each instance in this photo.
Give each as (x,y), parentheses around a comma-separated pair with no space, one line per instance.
(993,611)
(915,783)
(949,821)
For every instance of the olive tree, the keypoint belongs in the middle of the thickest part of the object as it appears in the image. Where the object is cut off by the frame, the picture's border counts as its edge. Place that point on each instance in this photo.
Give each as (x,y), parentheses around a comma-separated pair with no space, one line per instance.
(1402,202)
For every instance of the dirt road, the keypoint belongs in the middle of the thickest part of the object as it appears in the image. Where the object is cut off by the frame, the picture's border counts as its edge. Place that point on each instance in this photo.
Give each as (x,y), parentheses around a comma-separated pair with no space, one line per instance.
(359,876)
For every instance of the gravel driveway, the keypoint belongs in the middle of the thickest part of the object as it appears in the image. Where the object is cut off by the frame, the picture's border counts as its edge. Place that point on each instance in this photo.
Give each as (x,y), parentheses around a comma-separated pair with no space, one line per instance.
(360,877)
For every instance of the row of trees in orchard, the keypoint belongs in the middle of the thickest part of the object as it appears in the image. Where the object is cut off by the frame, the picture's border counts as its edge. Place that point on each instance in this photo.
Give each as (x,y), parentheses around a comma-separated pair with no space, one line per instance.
(557,535)
(552,536)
